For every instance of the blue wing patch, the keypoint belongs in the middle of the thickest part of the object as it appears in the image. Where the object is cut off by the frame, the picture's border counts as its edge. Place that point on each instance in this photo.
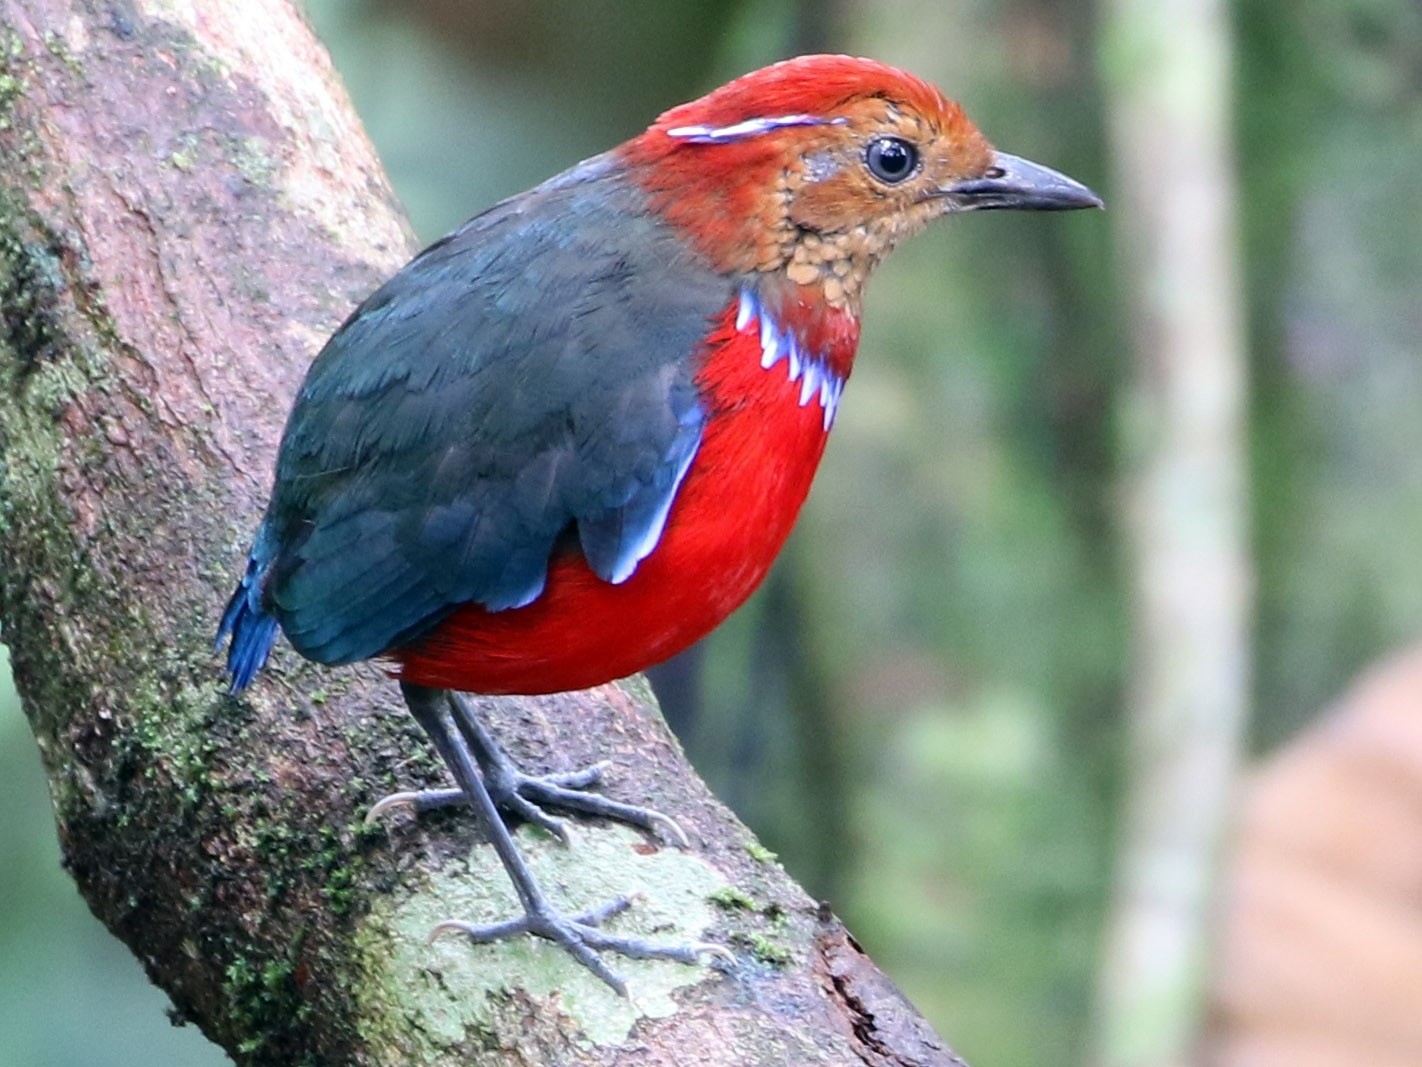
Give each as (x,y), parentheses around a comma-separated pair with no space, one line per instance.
(615,542)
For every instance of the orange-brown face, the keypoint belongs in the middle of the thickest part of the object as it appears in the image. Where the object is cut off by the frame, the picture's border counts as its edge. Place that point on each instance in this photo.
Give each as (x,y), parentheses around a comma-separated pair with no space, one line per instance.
(852,191)
(817,167)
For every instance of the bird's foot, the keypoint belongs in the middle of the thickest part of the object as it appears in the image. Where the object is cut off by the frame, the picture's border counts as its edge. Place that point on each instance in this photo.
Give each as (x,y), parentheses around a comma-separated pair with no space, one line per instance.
(480,767)
(582,937)
(528,797)
(525,796)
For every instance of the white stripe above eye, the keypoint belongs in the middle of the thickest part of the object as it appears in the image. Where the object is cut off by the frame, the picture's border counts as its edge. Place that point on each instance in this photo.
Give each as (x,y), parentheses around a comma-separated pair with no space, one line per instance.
(747,128)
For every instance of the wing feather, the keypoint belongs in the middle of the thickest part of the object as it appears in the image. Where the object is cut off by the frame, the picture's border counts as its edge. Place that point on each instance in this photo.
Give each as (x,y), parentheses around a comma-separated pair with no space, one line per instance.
(530,374)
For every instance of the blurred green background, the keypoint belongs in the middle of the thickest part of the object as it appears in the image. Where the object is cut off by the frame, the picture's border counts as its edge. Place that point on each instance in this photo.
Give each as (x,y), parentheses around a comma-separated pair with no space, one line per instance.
(922,713)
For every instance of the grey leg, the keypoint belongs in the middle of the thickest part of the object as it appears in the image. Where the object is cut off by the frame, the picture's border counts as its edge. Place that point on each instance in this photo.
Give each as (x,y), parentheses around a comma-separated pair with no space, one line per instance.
(578,935)
(526,796)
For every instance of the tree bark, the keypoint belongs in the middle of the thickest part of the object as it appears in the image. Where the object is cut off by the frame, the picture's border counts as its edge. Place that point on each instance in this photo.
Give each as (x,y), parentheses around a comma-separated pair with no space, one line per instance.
(187,208)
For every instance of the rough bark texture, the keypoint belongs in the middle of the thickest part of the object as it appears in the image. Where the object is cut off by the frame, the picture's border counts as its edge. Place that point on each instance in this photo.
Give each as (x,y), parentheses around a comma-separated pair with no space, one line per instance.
(187,207)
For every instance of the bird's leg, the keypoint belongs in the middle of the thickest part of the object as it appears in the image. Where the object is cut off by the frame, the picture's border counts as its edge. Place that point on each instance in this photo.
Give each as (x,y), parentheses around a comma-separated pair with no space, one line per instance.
(579,935)
(526,796)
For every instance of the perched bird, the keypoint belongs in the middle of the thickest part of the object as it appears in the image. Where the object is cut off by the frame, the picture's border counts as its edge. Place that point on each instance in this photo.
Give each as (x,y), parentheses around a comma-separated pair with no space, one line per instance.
(567,440)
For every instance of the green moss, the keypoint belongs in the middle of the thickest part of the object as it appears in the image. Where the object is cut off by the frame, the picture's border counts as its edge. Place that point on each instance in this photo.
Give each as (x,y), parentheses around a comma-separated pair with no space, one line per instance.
(12,82)
(758,852)
(732,899)
(367,833)
(58,47)
(270,1009)
(294,854)
(186,153)
(765,949)
(42,367)
(252,159)
(265,1001)
(31,279)
(12,88)
(167,730)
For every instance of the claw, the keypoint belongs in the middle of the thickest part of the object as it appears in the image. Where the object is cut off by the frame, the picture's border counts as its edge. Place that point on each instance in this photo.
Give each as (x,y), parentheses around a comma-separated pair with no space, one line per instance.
(393,801)
(715,951)
(671,826)
(418,801)
(480,935)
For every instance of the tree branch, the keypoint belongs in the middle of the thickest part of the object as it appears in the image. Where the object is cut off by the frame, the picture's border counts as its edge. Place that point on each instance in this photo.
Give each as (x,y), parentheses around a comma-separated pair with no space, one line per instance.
(187,208)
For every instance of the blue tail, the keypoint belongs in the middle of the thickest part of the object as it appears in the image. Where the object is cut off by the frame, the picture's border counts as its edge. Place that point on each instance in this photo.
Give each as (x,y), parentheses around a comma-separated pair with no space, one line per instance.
(253,630)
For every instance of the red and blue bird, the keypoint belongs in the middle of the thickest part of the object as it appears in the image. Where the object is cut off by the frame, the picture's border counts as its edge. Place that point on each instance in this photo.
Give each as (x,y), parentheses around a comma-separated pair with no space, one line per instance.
(567,440)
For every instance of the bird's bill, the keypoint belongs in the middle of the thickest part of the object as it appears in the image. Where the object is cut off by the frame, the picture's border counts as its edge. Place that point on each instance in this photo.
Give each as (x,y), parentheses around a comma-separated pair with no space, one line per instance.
(1013,182)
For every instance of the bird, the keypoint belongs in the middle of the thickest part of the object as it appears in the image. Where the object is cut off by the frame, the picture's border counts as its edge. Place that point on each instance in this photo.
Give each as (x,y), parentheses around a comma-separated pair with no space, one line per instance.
(565,441)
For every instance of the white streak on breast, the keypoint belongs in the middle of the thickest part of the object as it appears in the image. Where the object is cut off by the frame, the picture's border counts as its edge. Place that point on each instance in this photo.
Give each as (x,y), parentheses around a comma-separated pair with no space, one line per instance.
(817,380)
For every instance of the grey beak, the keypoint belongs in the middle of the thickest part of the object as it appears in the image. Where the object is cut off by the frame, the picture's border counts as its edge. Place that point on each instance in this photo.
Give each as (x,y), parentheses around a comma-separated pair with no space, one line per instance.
(1014,182)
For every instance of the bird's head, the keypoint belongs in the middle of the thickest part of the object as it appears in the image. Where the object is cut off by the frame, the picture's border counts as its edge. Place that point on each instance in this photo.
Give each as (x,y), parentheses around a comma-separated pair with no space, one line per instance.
(818,166)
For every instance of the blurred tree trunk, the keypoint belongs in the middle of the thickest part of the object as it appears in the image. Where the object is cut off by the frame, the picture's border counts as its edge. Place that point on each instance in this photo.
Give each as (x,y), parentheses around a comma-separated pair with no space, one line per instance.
(187,207)
(1168,72)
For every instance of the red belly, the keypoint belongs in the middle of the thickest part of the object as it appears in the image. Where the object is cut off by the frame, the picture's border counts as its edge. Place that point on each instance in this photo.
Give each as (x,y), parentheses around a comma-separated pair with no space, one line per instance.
(730,518)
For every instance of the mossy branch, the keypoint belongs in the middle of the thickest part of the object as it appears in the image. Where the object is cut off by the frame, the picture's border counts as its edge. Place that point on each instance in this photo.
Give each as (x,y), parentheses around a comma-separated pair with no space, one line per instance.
(187,207)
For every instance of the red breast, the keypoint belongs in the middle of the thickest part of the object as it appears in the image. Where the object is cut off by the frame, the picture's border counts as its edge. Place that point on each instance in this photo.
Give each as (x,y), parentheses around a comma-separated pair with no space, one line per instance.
(763,442)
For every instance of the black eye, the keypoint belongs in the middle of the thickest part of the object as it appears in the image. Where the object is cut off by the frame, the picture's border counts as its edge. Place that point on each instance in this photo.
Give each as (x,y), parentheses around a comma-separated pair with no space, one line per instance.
(891,159)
